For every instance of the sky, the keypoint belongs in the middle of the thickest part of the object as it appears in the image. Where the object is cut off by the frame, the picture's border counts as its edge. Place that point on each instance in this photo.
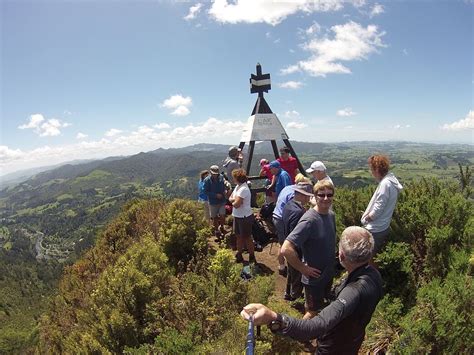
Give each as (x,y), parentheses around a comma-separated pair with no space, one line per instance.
(90,79)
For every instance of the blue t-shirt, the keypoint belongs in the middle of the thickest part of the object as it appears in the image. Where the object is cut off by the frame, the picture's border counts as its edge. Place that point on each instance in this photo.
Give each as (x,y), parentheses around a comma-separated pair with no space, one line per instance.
(283,179)
(315,236)
(285,195)
(202,194)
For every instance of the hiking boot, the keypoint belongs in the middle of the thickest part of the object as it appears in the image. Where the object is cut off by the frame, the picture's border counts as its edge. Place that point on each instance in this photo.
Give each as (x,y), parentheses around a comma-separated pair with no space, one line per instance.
(239,258)
(283,272)
(287,297)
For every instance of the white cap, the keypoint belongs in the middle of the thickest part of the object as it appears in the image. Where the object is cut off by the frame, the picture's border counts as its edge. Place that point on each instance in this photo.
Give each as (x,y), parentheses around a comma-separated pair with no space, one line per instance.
(316,165)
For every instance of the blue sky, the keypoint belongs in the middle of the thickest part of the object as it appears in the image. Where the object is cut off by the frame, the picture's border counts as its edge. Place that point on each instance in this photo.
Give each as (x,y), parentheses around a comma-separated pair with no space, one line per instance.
(90,79)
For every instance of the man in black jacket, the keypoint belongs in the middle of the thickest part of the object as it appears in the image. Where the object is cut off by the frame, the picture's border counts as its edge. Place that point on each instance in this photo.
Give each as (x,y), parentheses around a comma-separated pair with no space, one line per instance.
(339,327)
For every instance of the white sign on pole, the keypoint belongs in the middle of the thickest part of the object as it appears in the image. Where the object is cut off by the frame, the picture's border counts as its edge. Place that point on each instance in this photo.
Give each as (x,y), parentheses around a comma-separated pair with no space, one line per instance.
(263,127)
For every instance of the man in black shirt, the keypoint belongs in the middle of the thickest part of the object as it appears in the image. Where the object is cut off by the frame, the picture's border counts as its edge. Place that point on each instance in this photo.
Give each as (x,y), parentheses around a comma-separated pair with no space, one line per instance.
(339,327)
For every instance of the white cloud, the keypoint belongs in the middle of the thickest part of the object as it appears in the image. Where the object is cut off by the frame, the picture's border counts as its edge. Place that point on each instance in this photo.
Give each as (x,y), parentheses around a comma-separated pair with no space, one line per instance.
(350,41)
(377,10)
(144,138)
(466,123)
(34,122)
(292,114)
(175,101)
(8,155)
(270,12)
(43,127)
(193,12)
(112,132)
(179,104)
(162,126)
(346,112)
(181,111)
(291,85)
(405,51)
(290,69)
(296,125)
(313,29)
(401,126)
(81,136)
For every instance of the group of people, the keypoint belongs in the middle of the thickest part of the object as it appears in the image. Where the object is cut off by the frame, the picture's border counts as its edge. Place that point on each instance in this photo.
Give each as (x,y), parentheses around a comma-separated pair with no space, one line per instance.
(308,239)
(305,225)
(229,187)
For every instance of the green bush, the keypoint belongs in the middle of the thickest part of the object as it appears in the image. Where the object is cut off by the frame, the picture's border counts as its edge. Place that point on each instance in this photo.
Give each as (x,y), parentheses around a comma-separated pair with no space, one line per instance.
(441,322)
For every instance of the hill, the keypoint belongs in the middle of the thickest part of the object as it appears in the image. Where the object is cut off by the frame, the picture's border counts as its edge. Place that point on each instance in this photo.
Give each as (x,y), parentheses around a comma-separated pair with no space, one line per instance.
(51,219)
(151,284)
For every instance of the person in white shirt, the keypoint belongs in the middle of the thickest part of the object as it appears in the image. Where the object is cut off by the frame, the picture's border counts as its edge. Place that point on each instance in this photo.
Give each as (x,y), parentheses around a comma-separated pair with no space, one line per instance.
(378,215)
(243,215)
(318,170)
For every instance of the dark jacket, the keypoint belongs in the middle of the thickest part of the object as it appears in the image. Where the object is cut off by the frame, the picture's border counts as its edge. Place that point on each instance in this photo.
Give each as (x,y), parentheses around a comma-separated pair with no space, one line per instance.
(340,327)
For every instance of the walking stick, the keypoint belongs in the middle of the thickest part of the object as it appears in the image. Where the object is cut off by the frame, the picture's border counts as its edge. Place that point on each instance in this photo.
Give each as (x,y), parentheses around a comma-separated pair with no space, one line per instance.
(250,345)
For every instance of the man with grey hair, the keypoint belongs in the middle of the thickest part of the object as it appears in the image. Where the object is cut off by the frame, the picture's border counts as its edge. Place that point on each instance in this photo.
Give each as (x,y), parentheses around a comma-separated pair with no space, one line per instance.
(339,327)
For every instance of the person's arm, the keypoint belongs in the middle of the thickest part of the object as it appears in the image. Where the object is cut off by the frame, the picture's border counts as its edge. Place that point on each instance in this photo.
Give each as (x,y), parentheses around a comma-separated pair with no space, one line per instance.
(383,193)
(288,250)
(307,329)
(269,187)
(293,220)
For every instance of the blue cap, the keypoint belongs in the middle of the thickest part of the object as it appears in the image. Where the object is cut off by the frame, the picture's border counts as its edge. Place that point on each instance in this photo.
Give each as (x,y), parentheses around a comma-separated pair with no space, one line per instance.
(275,164)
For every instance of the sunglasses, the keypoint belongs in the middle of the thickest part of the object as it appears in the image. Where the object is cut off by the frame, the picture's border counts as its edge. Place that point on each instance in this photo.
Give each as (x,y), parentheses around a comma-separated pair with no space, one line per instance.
(325,195)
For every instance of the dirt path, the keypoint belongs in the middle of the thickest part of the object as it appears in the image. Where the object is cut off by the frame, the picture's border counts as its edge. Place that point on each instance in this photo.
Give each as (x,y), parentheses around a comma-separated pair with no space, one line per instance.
(266,260)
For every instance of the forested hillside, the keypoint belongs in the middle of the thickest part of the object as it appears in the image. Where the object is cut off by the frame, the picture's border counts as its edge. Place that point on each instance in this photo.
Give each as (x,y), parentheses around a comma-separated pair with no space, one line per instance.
(50,220)
(151,284)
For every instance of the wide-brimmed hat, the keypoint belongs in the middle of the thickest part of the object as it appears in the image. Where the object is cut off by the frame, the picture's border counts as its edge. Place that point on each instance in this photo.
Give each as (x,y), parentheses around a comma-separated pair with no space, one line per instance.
(316,166)
(304,188)
(214,169)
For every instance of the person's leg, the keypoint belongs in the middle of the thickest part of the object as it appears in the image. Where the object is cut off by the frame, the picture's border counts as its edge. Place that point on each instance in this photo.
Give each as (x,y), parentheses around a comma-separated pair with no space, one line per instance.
(238,240)
(213,213)
(314,298)
(294,282)
(280,232)
(222,218)
(380,241)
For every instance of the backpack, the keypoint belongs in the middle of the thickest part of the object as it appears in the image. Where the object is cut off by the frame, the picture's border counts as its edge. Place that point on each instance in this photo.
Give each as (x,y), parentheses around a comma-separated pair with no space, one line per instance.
(260,235)
(267,210)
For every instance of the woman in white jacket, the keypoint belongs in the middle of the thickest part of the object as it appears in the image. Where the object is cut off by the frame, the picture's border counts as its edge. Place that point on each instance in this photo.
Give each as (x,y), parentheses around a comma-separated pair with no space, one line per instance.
(376,218)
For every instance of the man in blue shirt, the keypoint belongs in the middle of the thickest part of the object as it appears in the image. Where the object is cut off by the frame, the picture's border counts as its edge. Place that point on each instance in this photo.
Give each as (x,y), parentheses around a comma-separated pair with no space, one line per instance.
(282,177)
(214,187)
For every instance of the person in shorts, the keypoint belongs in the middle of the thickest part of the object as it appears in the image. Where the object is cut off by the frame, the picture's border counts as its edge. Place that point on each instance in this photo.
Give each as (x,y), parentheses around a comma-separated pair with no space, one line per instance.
(214,188)
(315,236)
(243,215)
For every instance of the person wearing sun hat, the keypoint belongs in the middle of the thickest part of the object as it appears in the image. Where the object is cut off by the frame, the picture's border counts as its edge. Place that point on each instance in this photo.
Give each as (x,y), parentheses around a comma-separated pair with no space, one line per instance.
(214,188)
(292,212)
(233,161)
